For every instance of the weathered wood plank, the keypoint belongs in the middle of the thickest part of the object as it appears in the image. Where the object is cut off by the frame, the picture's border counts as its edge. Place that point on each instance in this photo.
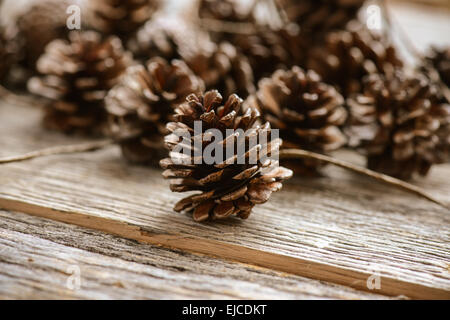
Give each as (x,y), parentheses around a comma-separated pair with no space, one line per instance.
(346,224)
(39,259)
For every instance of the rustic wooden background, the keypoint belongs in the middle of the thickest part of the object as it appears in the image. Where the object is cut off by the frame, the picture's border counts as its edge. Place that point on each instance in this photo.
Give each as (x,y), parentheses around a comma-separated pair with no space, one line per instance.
(112,222)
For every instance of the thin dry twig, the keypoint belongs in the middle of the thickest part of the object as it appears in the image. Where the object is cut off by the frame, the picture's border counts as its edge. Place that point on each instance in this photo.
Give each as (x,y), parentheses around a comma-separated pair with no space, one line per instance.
(83,147)
(303,154)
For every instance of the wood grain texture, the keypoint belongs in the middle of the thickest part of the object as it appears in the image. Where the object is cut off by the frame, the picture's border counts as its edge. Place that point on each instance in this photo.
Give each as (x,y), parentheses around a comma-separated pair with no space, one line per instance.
(339,227)
(36,256)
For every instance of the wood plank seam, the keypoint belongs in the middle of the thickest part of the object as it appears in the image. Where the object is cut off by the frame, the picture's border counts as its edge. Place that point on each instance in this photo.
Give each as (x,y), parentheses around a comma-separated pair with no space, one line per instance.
(233,252)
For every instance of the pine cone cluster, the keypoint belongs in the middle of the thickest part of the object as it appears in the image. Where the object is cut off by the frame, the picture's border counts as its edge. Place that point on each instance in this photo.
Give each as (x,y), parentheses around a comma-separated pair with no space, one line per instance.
(320,16)
(120,17)
(44,21)
(75,75)
(143,102)
(401,125)
(350,55)
(169,38)
(308,112)
(224,68)
(270,49)
(440,59)
(226,188)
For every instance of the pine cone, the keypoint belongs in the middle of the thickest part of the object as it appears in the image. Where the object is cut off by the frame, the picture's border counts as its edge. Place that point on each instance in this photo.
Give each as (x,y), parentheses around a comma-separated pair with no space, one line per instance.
(224,68)
(440,59)
(170,38)
(142,103)
(352,54)
(307,111)
(320,16)
(269,50)
(120,17)
(44,21)
(226,188)
(9,51)
(76,76)
(400,124)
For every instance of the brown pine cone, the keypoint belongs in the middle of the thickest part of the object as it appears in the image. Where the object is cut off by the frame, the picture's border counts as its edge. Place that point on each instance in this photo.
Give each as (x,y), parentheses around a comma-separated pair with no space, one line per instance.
(76,76)
(320,16)
(400,124)
(9,51)
(42,22)
(120,17)
(224,68)
(440,59)
(307,111)
(170,38)
(140,106)
(269,50)
(352,54)
(226,187)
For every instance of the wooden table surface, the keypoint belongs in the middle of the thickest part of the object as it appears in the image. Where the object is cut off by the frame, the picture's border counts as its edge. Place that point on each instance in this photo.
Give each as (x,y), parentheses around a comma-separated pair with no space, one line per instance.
(92,226)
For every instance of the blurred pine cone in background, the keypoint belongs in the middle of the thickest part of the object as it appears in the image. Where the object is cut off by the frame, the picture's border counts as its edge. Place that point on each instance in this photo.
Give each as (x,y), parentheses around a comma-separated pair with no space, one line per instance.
(167,37)
(119,17)
(76,76)
(226,188)
(224,68)
(400,124)
(350,55)
(9,51)
(42,22)
(440,59)
(140,106)
(269,50)
(307,111)
(317,17)
(227,10)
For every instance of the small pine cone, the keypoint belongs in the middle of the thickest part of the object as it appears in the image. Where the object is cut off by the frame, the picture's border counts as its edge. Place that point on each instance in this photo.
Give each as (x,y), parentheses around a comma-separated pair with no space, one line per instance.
(120,17)
(224,68)
(140,106)
(320,16)
(226,188)
(76,75)
(400,124)
(352,54)
(42,22)
(269,50)
(9,51)
(440,59)
(170,38)
(307,112)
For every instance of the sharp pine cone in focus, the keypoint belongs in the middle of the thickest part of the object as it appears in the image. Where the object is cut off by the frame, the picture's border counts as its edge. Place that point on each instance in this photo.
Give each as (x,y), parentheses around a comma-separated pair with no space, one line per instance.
(400,124)
(269,50)
(140,106)
(440,59)
(42,22)
(307,111)
(170,38)
(350,55)
(120,17)
(320,16)
(224,68)
(226,188)
(76,76)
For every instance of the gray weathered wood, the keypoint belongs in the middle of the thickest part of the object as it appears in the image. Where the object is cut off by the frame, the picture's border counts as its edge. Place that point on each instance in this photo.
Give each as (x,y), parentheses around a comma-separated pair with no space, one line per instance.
(339,220)
(36,257)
